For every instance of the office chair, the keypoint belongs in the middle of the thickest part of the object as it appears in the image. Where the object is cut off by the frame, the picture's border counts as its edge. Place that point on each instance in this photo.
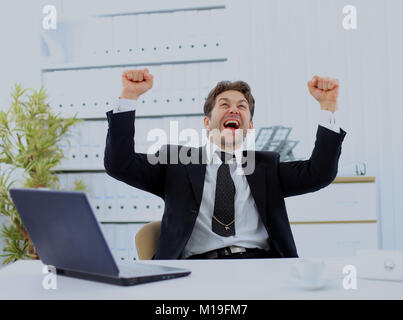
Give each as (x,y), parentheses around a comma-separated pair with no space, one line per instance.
(147,240)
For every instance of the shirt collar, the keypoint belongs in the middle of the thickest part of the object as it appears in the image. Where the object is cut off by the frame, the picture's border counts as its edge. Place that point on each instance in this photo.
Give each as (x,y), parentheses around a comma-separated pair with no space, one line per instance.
(212,153)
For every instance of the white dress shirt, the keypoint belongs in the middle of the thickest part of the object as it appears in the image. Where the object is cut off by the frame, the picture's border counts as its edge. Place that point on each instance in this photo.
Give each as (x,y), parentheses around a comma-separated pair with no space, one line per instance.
(249,229)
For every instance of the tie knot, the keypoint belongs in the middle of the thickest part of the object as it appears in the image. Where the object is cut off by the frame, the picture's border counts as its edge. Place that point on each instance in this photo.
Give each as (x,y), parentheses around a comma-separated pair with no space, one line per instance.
(226,157)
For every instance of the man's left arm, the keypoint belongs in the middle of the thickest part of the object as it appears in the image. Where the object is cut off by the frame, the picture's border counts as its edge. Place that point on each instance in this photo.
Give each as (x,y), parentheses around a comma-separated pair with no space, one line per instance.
(299,177)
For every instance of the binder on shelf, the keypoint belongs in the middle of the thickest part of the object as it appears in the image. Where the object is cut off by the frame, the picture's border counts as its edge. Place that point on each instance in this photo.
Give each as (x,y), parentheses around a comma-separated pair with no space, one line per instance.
(165,79)
(136,201)
(98,189)
(153,38)
(168,104)
(85,145)
(219,27)
(110,237)
(90,138)
(86,178)
(205,83)
(81,36)
(110,89)
(114,80)
(67,83)
(74,156)
(102,45)
(190,34)
(121,201)
(147,206)
(134,39)
(122,243)
(143,37)
(51,87)
(133,229)
(178,34)
(180,89)
(217,73)
(110,197)
(88,46)
(101,129)
(90,91)
(200,29)
(122,35)
(192,74)
(156,95)
(207,33)
(134,205)
(175,97)
(167,44)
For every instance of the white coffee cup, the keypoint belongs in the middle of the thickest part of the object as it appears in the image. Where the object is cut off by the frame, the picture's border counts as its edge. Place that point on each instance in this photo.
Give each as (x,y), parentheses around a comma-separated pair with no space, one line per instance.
(310,273)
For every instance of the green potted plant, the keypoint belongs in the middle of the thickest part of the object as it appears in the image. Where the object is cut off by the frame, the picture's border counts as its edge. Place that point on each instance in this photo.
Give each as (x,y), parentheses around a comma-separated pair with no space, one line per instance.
(30,134)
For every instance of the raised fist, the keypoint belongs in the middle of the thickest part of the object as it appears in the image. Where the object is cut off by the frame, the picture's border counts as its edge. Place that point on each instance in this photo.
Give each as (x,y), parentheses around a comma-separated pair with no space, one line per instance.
(325,91)
(135,83)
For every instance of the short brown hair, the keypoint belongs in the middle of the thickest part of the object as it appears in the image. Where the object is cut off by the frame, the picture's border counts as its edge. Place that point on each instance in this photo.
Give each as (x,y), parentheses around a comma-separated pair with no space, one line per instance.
(223,86)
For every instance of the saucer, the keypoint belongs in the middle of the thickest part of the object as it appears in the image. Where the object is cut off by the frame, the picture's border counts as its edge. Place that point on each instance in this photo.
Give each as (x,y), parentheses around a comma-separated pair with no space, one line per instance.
(308,285)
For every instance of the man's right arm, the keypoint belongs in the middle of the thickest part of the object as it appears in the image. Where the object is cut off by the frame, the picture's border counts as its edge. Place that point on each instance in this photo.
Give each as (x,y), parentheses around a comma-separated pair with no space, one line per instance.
(120,160)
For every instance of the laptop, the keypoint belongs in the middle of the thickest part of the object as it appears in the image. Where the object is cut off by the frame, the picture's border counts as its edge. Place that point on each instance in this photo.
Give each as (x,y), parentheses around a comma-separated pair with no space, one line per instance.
(67,236)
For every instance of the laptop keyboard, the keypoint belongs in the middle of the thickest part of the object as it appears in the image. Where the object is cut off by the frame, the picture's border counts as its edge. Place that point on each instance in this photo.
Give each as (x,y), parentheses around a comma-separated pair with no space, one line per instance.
(136,270)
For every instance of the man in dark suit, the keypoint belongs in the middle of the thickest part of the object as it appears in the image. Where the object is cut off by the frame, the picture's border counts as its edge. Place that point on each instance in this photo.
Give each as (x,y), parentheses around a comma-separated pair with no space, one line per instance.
(211,210)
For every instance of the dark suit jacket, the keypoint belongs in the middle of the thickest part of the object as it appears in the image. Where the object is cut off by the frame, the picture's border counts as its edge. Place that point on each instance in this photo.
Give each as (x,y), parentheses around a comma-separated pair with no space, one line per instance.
(181,186)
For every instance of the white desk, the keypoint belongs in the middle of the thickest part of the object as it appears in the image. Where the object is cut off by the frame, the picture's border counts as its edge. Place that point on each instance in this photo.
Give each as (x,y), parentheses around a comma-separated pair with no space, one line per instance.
(212,280)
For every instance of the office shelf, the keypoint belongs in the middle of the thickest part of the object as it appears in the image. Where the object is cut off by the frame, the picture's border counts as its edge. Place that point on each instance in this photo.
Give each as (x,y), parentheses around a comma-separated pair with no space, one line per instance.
(173,115)
(84,170)
(357,179)
(166,10)
(79,66)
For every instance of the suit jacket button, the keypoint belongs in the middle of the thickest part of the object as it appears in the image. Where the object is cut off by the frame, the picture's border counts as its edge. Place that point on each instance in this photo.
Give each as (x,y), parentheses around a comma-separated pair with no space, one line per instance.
(194,211)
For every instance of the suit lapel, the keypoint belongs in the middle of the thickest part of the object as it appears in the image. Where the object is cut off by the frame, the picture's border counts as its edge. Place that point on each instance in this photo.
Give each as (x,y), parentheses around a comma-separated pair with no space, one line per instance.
(197,172)
(257,185)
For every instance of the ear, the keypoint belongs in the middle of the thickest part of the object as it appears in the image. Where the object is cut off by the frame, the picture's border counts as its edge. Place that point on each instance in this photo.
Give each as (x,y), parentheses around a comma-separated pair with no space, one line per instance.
(206,121)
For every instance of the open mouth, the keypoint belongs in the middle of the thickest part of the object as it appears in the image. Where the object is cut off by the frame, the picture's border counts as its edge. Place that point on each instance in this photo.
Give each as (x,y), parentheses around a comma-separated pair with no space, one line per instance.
(232,124)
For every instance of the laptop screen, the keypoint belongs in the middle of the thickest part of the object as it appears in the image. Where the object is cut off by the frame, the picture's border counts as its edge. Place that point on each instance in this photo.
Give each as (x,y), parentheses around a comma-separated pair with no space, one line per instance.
(64,230)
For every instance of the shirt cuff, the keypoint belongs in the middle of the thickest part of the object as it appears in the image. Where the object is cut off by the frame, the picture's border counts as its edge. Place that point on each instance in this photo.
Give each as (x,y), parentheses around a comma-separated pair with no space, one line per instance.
(327,119)
(124,105)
